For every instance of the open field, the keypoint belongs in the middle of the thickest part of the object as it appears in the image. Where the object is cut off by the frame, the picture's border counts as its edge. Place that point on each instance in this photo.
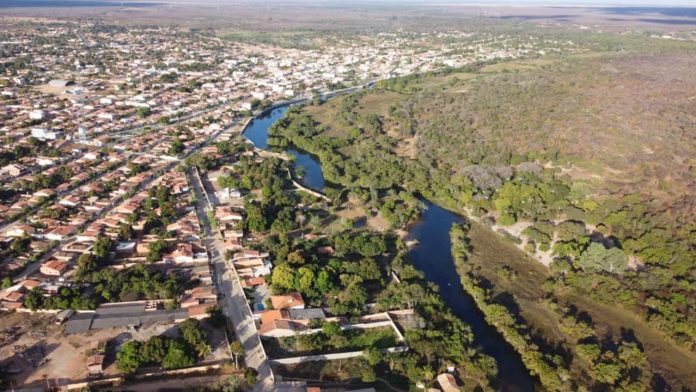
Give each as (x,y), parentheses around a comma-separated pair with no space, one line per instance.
(48,353)
(493,256)
(300,21)
(37,348)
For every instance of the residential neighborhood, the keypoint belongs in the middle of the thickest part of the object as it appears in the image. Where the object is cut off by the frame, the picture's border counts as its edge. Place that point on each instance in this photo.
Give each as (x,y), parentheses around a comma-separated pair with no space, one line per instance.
(144,234)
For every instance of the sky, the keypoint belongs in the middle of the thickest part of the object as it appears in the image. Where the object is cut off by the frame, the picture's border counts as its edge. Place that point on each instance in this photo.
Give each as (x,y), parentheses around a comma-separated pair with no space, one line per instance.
(642,3)
(639,3)
(654,3)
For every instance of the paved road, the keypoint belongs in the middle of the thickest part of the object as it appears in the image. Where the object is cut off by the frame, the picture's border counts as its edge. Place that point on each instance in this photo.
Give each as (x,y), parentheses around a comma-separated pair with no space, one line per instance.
(234,304)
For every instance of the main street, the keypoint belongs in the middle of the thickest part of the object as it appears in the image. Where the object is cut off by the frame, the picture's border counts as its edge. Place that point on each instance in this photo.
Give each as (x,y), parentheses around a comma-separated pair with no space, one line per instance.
(234,303)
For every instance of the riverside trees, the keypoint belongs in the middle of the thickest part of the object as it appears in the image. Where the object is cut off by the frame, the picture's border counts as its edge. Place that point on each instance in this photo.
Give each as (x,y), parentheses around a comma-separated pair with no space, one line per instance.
(463,160)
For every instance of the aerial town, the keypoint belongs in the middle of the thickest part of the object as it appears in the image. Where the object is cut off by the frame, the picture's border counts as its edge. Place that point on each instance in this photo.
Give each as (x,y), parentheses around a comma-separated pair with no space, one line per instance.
(112,218)
(159,230)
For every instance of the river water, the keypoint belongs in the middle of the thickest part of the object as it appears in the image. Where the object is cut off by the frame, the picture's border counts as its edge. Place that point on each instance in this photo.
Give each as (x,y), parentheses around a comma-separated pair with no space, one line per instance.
(432,256)
(257,133)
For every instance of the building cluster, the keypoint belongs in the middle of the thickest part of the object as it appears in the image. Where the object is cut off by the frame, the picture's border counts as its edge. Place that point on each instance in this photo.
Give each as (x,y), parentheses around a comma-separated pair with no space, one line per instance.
(53,213)
(96,124)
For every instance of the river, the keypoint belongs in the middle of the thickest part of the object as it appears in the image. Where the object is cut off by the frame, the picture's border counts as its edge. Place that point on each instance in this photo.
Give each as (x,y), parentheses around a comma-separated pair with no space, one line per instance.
(257,133)
(432,256)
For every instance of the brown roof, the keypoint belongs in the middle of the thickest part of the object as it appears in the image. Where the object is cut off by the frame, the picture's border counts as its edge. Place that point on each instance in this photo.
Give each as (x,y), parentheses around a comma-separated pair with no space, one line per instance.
(287,301)
(30,283)
(251,282)
(14,296)
(56,265)
(200,310)
(96,359)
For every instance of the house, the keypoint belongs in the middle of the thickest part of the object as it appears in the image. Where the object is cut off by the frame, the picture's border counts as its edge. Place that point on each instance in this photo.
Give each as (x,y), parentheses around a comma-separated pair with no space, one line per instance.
(45,161)
(65,256)
(277,323)
(253,282)
(95,364)
(307,314)
(45,134)
(249,253)
(232,244)
(447,383)
(59,233)
(53,267)
(289,301)
(226,194)
(91,233)
(11,299)
(29,284)
(78,247)
(37,115)
(125,249)
(91,156)
(199,295)
(200,311)
(61,83)
(20,231)
(11,296)
(186,229)
(44,193)
(227,215)
(13,169)
(253,268)
(186,253)
(203,274)
(70,201)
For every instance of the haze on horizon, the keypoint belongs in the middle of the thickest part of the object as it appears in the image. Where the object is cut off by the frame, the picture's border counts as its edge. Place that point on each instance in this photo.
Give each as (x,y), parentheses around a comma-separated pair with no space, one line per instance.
(515,3)
(625,3)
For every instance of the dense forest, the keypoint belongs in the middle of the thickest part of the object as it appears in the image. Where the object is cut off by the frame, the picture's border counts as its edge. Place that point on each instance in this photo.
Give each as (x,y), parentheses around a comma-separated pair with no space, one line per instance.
(357,269)
(496,143)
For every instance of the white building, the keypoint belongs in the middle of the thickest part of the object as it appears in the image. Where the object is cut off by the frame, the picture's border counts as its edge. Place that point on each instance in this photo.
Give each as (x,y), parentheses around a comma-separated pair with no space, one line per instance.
(45,134)
(37,115)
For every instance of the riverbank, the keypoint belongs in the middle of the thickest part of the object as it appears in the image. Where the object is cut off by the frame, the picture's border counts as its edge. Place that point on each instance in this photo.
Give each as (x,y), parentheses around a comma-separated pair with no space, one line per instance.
(433,257)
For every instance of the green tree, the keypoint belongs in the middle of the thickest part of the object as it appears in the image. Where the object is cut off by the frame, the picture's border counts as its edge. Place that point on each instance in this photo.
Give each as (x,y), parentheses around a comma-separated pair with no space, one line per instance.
(34,299)
(86,264)
(250,375)
(194,335)
(331,329)
(178,356)
(154,349)
(176,148)
(255,221)
(125,232)
(6,282)
(101,248)
(143,112)
(20,245)
(155,250)
(129,359)
(324,282)
(283,277)
(305,280)
(597,258)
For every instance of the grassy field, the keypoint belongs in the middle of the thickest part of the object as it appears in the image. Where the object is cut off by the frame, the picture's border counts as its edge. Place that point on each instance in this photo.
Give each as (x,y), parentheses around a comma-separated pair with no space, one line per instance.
(492,255)
(674,363)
